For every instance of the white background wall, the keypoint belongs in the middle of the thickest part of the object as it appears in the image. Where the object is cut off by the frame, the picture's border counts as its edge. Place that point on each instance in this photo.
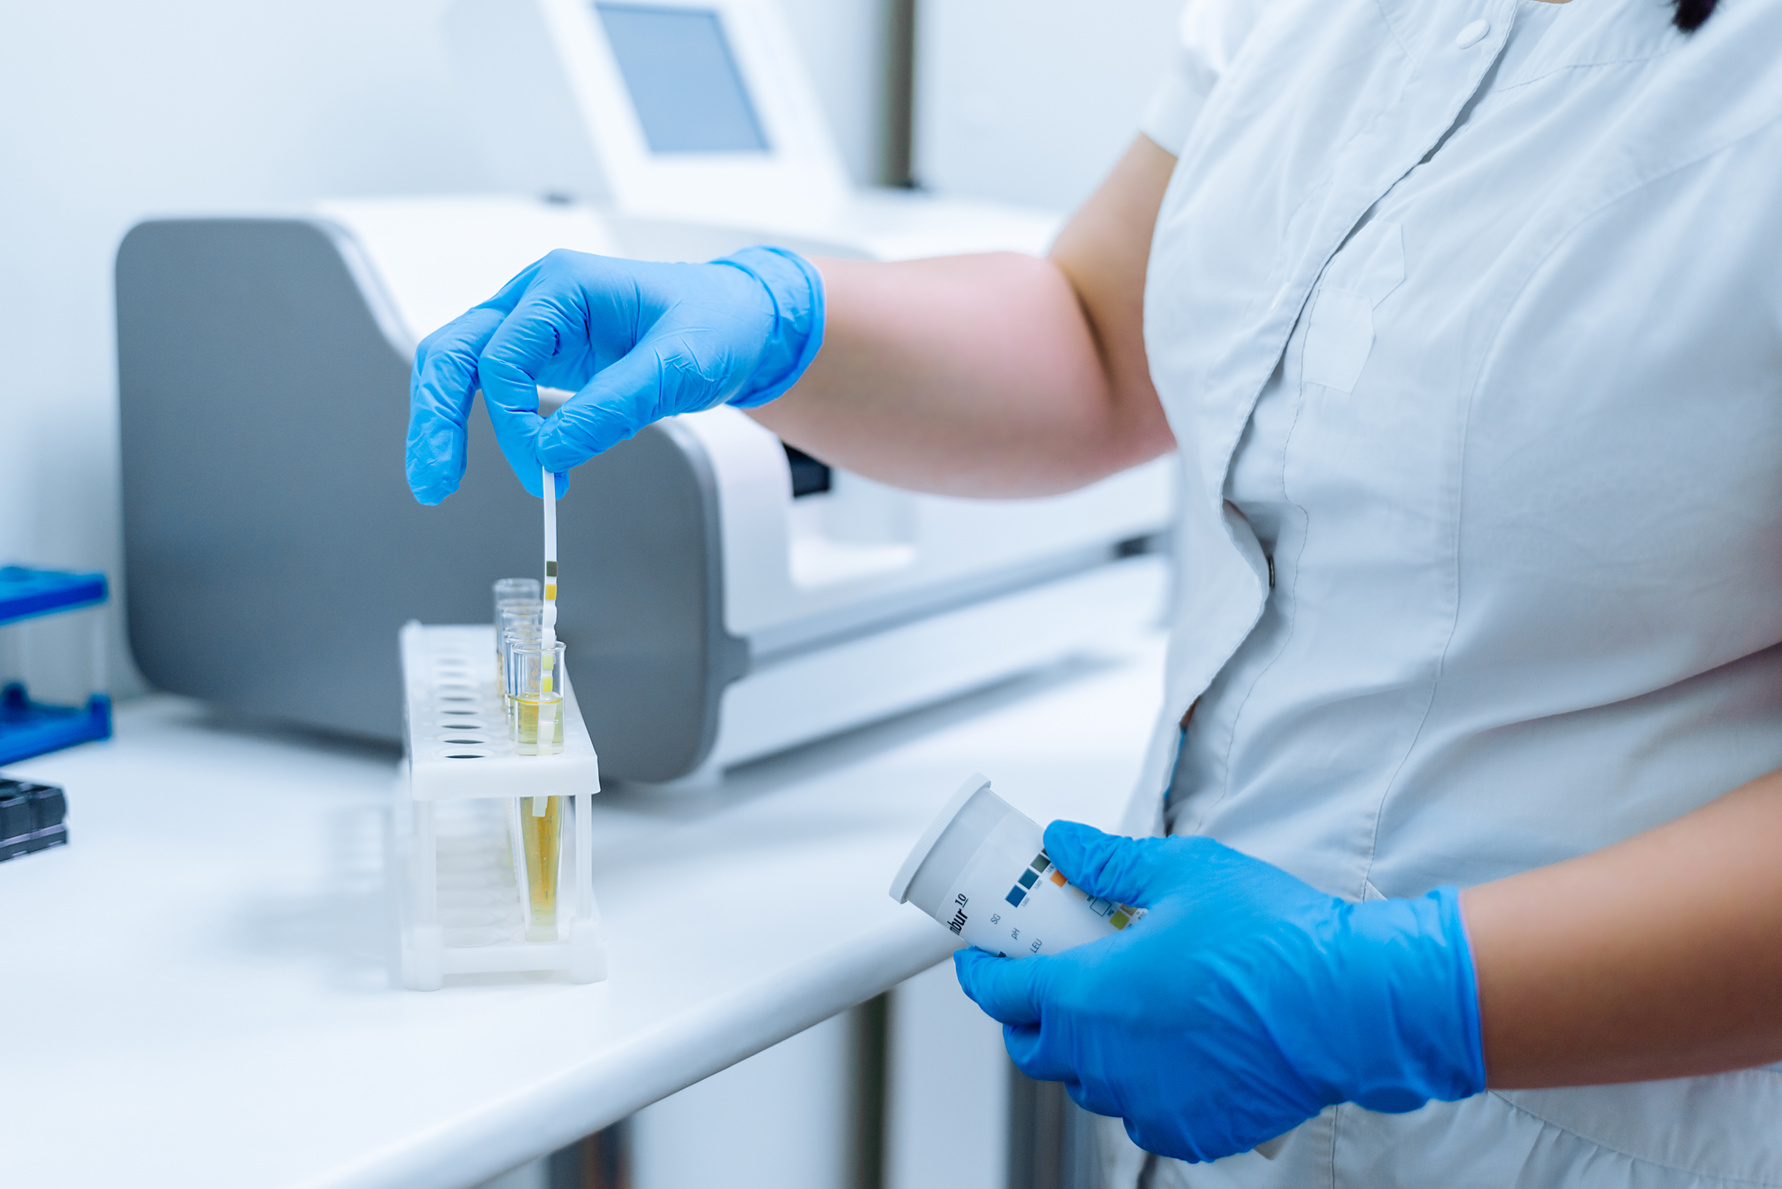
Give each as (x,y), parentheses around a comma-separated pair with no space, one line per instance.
(111,111)
(1032,100)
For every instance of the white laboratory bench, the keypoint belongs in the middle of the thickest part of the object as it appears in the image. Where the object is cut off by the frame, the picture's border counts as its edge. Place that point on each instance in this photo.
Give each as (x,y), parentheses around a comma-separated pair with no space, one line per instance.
(198,991)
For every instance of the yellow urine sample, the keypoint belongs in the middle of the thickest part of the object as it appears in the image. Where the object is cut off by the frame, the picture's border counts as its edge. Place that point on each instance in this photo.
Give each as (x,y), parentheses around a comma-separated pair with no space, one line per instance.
(541,842)
(526,716)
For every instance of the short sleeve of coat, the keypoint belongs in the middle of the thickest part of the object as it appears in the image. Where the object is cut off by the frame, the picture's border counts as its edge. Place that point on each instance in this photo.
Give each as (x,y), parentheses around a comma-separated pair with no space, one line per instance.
(1208,36)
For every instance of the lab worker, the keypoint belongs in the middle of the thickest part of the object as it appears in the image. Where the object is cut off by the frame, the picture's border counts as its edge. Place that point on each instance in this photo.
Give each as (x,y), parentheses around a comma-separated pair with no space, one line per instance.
(1461,835)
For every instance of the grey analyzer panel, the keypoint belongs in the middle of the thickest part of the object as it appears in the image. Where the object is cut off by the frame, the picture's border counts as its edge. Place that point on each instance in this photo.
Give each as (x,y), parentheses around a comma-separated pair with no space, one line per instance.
(272,547)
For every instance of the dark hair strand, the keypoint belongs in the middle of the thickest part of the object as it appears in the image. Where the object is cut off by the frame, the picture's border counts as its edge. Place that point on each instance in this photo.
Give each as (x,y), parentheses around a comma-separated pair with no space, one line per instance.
(1691,14)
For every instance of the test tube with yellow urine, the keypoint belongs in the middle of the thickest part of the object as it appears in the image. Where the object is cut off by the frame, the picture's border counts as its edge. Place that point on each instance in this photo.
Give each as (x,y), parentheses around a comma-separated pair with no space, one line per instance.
(538,724)
(541,849)
(535,686)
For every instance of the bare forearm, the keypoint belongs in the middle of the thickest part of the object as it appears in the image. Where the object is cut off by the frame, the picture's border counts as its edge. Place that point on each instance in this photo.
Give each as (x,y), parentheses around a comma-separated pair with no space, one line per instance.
(969,375)
(1658,957)
(995,375)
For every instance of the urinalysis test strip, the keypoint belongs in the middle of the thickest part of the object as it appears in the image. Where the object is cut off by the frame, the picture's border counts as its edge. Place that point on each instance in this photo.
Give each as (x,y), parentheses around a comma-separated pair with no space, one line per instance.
(547,709)
(550,558)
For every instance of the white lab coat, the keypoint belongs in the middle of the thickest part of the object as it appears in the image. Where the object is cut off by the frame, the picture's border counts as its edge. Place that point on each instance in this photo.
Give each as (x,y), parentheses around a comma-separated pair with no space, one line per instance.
(1478,352)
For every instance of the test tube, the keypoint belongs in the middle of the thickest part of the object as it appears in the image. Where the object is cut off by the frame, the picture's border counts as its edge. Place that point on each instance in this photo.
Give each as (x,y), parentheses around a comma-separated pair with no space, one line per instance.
(535,683)
(513,588)
(540,851)
(512,614)
(514,597)
(516,612)
(519,635)
(535,689)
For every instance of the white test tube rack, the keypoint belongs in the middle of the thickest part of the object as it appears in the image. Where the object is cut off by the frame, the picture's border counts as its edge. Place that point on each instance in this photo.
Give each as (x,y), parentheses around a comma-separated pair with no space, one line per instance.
(461,904)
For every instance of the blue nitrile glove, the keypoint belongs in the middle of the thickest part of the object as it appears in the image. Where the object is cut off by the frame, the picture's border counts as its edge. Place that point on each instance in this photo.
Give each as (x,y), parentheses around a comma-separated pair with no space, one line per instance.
(1242,1003)
(635,341)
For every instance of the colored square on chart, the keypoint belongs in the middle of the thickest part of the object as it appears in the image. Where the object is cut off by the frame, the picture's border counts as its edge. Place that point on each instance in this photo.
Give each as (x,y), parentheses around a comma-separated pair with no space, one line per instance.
(1040,862)
(1119,920)
(1016,895)
(1058,878)
(1028,877)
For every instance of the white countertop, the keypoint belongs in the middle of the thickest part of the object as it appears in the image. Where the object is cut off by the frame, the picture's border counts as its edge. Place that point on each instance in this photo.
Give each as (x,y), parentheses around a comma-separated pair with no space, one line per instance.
(198,991)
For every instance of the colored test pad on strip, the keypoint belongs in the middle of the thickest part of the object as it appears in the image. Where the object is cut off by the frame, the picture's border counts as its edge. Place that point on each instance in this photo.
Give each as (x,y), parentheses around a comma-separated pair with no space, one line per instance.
(547,710)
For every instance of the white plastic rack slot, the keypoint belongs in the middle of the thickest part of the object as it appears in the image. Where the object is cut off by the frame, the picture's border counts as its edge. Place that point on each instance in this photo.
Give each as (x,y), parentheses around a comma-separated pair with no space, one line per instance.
(462,907)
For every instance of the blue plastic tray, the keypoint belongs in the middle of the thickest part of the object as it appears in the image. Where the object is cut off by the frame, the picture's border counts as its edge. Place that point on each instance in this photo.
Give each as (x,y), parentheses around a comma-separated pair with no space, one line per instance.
(27,593)
(30,728)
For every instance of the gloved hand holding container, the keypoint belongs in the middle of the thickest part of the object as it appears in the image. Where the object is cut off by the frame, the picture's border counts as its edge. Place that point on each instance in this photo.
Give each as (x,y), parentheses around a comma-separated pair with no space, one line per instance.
(981,869)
